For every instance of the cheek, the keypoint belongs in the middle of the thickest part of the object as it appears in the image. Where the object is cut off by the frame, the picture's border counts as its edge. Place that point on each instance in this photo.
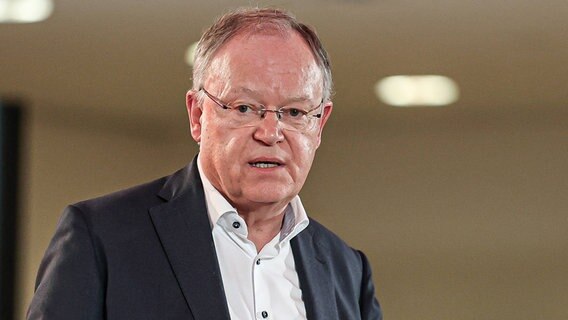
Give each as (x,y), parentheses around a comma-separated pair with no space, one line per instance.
(213,141)
(214,134)
(305,149)
(224,144)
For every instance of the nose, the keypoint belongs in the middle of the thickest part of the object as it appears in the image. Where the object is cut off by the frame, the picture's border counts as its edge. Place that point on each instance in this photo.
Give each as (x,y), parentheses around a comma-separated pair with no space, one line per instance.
(269,131)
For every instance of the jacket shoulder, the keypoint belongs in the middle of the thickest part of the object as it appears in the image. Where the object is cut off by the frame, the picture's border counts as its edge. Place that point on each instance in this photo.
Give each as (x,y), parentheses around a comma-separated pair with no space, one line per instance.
(323,236)
(133,197)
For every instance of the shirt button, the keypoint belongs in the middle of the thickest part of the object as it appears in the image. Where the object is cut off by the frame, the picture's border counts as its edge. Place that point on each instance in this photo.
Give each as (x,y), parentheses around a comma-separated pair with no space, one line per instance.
(264,314)
(236,224)
(257,261)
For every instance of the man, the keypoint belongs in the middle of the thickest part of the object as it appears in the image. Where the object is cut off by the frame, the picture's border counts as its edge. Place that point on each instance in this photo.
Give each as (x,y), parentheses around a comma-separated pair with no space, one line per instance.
(226,237)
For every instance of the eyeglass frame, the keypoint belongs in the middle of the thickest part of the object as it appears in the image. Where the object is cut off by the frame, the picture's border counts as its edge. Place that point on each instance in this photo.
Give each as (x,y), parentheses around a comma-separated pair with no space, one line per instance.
(262,111)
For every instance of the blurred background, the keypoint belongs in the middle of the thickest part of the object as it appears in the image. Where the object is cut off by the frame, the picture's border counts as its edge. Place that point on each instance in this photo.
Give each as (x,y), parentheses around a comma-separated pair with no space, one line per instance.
(461,209)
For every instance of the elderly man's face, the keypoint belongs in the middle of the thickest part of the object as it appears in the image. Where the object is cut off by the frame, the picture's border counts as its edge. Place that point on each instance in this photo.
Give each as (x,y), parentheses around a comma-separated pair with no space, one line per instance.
(274,71)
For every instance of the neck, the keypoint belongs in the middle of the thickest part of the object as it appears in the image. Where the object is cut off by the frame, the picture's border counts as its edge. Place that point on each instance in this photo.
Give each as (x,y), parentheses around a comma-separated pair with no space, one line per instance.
(263,224)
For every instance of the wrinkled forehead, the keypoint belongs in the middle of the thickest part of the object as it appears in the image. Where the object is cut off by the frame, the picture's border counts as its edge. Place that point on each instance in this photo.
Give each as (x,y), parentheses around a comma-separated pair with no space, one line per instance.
(272,59)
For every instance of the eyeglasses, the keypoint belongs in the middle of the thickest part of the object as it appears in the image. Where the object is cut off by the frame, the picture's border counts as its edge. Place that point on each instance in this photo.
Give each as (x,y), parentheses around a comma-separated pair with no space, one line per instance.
(296,118)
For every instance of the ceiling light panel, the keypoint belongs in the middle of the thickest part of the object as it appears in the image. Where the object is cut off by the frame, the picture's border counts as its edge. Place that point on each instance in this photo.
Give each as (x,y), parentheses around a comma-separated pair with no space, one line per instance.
(25,11)
(417,90)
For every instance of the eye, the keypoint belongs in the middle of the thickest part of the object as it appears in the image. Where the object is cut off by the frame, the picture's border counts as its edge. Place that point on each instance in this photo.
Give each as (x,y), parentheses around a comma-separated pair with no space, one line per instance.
(296,113)
(244,108)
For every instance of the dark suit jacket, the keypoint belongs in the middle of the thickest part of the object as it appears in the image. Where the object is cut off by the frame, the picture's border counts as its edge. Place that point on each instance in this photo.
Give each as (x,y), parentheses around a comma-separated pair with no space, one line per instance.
(148,253)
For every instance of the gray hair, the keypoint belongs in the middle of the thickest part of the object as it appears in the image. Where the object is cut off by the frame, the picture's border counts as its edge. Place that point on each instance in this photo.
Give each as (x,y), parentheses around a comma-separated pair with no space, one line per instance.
(257,20)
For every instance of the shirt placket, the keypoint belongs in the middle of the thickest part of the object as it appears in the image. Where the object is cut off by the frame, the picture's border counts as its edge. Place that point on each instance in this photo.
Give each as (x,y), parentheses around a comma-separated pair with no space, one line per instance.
(262,281)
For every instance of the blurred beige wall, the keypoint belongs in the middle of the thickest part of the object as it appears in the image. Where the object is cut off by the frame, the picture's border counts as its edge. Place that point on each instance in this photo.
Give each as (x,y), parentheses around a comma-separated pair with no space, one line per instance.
(462,217)
(78,154)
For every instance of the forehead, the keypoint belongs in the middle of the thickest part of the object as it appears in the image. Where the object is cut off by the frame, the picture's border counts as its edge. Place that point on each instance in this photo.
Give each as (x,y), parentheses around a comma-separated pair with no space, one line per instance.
(274,62)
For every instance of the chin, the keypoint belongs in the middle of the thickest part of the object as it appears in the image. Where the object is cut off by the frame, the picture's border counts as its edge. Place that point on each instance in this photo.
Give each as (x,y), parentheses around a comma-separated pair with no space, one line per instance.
(270,194)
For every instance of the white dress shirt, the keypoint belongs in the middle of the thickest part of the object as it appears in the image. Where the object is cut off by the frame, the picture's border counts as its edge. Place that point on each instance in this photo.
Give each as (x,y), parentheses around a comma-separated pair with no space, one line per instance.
(258,285)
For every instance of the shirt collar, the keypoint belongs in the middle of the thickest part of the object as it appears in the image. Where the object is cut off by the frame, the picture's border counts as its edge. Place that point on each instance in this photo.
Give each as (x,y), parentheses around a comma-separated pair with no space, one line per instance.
(295,216)
(217,205)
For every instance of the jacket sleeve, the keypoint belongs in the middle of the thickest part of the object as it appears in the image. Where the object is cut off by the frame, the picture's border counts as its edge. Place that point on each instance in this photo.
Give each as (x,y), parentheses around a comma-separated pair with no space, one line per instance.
(368,303)
(70,281)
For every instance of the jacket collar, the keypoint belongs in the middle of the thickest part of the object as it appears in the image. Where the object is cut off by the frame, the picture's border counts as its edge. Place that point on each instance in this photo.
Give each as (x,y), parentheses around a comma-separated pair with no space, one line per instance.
(183,227)
(314,275)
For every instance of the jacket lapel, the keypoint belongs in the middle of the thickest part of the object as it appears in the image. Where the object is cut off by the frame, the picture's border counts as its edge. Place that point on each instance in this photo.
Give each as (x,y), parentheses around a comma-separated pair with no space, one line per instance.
(184,230)
(314,275)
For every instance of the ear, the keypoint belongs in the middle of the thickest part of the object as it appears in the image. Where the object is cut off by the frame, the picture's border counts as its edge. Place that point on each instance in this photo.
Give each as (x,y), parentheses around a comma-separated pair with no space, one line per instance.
(327,108)
(194,113)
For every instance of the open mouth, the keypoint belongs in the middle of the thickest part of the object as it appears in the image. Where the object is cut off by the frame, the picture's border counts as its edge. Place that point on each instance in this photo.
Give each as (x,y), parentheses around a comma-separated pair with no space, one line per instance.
(264,164)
